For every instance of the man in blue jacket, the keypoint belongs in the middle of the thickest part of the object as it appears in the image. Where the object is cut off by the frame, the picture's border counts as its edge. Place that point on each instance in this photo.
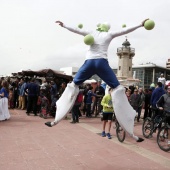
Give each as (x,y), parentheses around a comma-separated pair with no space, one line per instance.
(33,91)
(156,94)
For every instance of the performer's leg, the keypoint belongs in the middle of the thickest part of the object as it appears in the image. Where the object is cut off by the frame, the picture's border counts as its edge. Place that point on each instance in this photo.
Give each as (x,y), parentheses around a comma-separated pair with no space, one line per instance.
(85,72)
(66,101)
(124,112)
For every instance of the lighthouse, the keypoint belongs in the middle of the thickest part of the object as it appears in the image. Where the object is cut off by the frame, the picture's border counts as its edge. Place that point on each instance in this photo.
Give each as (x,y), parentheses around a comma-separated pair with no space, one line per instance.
(125,54)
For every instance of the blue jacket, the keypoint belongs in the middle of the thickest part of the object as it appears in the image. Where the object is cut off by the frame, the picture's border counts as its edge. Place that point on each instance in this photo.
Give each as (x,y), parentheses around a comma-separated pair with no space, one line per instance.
(22,89)
(90,94)
(3,90)
(33,89)
(156,94)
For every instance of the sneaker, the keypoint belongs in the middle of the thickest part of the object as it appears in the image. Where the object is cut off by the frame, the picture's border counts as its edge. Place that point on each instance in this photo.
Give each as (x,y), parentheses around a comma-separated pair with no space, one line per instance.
(109,136)
(48,124)
(103,134)
(140,140)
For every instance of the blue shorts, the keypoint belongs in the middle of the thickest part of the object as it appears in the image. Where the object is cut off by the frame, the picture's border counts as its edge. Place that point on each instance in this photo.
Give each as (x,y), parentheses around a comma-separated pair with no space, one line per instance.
(96,66)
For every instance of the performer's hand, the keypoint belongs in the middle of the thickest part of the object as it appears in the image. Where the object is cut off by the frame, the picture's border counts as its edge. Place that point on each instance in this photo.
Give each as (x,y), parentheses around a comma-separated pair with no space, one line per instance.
(143,22)
(60,23)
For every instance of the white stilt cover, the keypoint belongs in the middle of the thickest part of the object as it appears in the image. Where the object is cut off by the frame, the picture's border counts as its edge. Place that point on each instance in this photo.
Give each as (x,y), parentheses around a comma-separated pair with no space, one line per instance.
(124,112)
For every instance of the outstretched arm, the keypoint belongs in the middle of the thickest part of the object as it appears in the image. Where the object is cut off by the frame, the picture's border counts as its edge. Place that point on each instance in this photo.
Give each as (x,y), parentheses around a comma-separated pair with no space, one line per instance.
(75,30)
(128,30)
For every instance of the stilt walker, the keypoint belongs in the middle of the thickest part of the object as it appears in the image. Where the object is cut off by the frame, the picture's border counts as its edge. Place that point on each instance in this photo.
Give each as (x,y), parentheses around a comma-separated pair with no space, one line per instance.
(97,63)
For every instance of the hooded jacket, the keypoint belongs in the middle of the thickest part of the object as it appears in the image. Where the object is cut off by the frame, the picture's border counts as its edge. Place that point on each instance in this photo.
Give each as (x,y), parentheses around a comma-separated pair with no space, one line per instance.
(157,93)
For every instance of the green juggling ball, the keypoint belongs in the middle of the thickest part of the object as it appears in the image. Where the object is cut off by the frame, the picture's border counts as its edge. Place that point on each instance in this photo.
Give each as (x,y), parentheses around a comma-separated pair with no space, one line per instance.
(124,25)
(149,24)
(80,26)
(88,39)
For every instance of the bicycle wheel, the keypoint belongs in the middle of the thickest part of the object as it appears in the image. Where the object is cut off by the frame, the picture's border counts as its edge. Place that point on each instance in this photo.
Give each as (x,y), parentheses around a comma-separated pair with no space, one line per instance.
(147,127)
(120,133)
(162,139)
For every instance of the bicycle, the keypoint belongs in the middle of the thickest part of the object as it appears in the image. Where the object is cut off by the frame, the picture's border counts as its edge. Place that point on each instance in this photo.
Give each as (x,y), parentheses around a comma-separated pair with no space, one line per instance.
(120,132)
(162,136)
(151,124)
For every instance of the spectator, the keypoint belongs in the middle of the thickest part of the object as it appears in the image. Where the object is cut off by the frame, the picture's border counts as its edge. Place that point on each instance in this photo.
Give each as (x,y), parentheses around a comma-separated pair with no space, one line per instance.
(147,103)
(4,112)
(75,110)
(22,94)
(11,99)
(100,91)
(33,93)
(135,100)
(164,104)
(53,90)
(156,94)
(128,94)
(141,104)
(107,113)
(152,86)
(15,91)
(90,94)
(86,89)
(162,80)
(150,110)
(62,88)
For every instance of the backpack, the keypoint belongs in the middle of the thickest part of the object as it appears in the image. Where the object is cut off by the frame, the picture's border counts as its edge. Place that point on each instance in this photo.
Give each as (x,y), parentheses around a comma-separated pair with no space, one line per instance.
(80,98)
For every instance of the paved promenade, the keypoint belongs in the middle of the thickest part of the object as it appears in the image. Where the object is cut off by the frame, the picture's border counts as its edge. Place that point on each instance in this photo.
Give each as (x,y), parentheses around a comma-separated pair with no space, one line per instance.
(27,144)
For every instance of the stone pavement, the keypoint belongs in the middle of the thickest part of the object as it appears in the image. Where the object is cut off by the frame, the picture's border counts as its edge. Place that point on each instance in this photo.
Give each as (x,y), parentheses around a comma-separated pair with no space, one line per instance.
(27,144)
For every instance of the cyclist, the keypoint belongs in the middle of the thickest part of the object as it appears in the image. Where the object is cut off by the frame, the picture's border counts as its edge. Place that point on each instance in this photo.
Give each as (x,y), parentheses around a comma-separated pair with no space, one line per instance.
(164,104)
(156,94)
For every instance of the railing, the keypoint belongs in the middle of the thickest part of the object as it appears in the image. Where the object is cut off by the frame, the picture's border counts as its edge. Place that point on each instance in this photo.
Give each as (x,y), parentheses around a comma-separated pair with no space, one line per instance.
(125,49)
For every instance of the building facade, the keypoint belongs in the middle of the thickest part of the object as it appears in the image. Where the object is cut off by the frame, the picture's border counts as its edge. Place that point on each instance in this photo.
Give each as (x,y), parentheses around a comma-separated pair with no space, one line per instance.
(148,73)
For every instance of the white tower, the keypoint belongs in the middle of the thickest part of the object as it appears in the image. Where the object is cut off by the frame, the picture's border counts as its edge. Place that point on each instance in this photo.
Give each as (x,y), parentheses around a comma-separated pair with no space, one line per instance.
(125,54)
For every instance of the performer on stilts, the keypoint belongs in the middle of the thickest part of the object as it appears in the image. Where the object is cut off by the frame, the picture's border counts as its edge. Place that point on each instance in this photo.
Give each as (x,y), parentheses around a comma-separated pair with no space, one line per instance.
(97,63)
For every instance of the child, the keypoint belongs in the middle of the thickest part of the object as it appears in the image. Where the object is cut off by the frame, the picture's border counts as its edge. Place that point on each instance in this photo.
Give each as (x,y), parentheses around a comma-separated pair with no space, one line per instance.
(75,110)
(107,113)
(90,94)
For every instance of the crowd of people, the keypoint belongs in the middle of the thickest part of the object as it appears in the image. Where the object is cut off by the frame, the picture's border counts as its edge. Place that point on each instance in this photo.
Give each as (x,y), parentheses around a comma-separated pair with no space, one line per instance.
(40,98)
(33,95)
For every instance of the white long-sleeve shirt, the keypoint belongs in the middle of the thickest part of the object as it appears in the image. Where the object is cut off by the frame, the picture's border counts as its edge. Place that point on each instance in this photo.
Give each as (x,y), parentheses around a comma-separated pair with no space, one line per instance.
(101,40)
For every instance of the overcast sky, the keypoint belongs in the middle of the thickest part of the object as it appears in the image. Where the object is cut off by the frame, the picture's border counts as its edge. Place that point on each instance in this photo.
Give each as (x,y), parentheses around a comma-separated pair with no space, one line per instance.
(30,39)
